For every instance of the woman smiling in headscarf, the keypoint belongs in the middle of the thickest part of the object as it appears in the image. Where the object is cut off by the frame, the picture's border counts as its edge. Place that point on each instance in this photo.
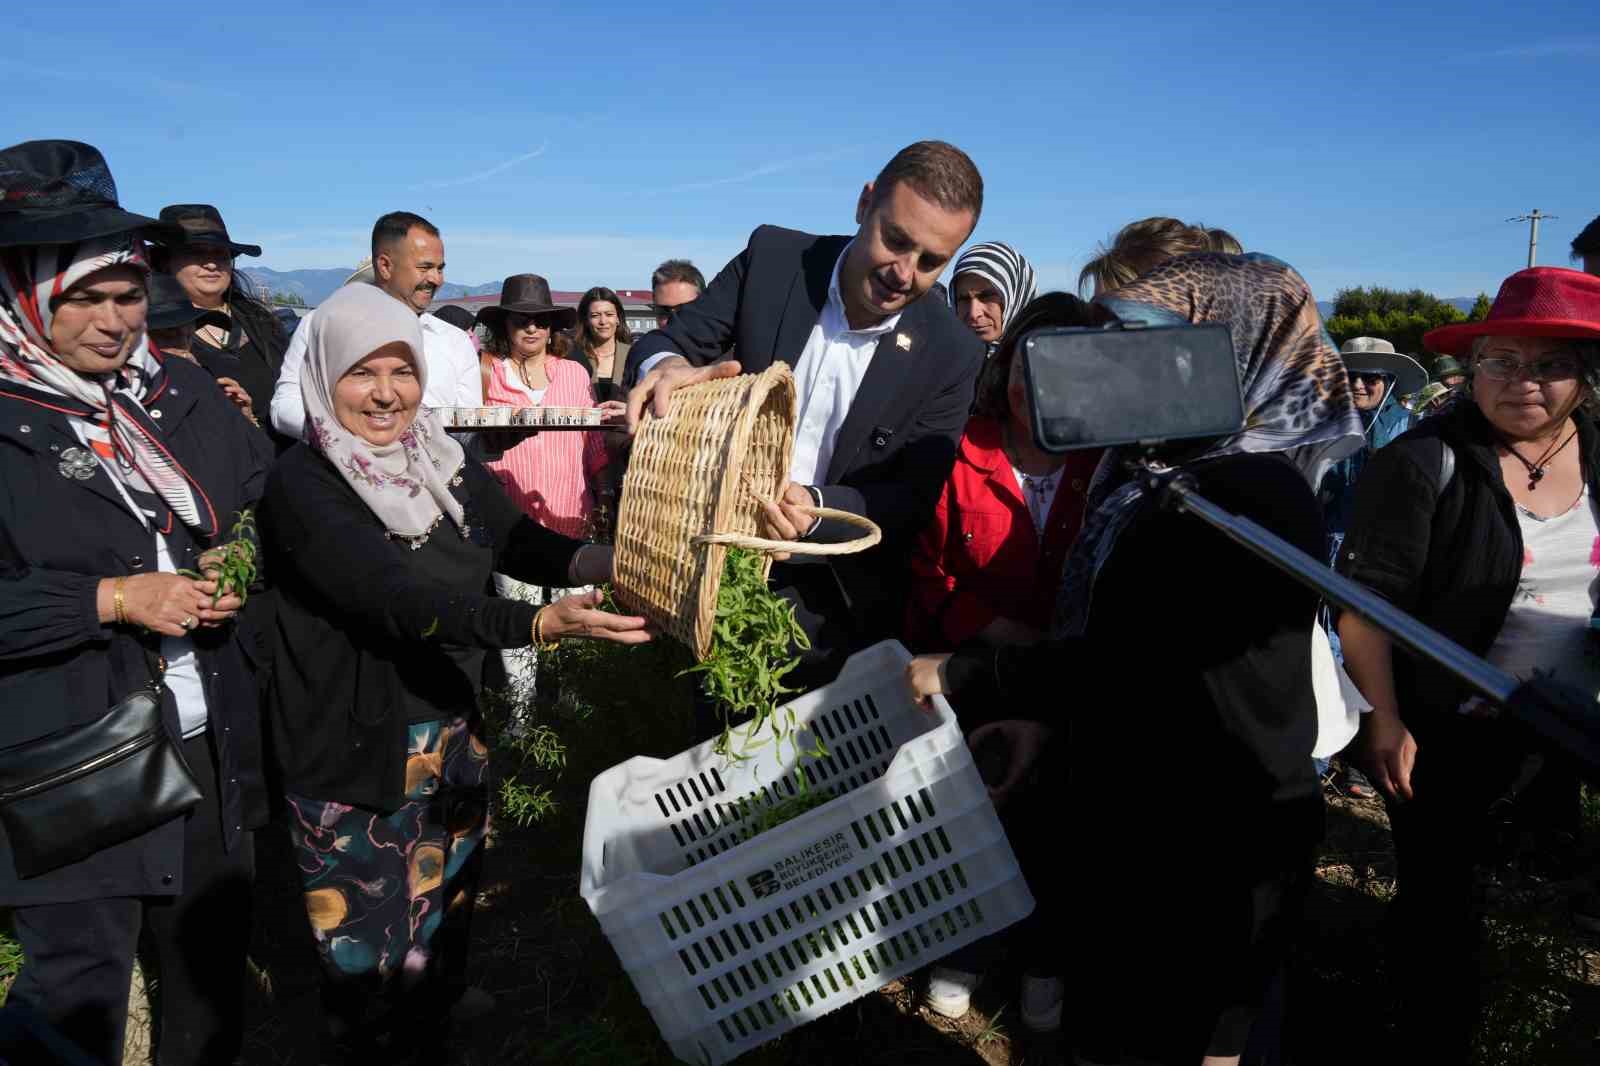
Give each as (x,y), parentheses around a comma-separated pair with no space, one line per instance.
(383,536)
(1172,646)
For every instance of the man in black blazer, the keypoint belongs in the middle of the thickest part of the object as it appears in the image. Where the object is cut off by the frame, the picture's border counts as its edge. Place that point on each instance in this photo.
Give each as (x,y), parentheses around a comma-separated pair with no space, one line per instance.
(885,382)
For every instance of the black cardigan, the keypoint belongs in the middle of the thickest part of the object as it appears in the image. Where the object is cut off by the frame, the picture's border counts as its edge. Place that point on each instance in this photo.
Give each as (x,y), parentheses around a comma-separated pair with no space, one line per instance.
(1192,642)
(1189,721)
(61,667)
(1452,560)
(356,620)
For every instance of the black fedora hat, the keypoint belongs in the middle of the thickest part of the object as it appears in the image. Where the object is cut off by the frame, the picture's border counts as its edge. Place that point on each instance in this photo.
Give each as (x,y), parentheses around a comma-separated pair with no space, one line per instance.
(202,224)
(527,294)
(61,192)
(170,307)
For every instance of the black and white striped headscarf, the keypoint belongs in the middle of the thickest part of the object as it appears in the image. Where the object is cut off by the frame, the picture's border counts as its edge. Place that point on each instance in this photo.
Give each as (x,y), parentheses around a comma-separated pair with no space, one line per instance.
(1003,267)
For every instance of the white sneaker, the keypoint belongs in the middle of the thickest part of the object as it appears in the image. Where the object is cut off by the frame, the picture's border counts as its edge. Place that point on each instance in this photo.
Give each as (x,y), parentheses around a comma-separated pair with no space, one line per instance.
(473,1004)
(950,991)
(1041,1003)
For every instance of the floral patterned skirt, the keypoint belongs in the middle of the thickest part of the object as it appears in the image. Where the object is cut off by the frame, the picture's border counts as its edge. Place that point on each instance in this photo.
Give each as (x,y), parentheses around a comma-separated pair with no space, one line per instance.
(390,896)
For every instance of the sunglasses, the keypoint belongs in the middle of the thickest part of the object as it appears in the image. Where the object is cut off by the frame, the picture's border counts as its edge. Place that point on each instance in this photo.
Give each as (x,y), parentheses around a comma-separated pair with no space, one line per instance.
(1368,378)
(1560,368)
(515,322)
(664,311)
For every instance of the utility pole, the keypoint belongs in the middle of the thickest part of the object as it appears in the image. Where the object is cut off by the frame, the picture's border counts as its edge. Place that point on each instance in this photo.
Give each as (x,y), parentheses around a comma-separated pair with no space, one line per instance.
(1533,230)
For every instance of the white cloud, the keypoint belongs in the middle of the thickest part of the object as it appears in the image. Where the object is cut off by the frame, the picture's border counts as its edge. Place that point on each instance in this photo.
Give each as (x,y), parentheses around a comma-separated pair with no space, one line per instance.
(763,171)
(1581,47)
(470,179)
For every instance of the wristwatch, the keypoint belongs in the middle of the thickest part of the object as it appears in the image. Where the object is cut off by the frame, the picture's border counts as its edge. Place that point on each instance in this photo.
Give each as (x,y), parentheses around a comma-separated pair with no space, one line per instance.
(816,499)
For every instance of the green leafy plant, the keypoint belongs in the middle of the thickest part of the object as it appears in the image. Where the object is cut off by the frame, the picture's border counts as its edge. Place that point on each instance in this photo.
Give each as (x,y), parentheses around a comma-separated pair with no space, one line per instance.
(533,754)
(755,642)
(10,958)
(773,815)
(232,564)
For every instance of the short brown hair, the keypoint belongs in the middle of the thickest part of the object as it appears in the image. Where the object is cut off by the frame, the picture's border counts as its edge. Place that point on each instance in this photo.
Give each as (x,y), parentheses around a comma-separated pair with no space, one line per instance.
(941,172)
(681,271)
(1140,247)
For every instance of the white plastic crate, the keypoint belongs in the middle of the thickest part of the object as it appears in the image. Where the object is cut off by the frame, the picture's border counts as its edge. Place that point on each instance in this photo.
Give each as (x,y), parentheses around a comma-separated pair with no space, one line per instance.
(732,942)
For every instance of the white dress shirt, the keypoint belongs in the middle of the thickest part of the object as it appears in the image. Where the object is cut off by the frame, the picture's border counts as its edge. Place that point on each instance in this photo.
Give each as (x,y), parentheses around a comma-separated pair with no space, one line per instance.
(454,379)
(828,373)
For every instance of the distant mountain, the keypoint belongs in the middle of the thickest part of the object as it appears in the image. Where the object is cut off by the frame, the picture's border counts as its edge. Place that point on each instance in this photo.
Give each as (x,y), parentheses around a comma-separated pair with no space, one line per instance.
(314,286)
(1464,303)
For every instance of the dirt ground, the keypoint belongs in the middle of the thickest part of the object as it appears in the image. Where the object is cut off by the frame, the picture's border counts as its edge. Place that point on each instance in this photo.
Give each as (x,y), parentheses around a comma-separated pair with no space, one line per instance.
(564,999)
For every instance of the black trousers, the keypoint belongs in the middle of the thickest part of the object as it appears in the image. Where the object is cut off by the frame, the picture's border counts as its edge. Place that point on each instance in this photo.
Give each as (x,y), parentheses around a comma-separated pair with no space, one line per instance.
(79,956)
(1466,771)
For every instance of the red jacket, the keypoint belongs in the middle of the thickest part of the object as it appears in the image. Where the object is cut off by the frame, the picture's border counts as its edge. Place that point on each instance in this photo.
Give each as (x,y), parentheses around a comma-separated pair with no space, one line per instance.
(979,559)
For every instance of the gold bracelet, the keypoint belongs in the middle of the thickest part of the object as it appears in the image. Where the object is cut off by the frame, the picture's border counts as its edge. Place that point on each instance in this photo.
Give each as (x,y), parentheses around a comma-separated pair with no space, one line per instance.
(538,632)
(118,605)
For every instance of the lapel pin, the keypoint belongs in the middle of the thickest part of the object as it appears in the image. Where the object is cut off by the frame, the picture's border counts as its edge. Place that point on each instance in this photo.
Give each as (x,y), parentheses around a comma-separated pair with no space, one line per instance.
(902,341)
(77,464)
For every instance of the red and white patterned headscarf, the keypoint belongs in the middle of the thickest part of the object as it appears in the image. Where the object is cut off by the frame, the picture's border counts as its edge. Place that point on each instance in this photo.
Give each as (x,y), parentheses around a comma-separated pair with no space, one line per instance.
(31,278)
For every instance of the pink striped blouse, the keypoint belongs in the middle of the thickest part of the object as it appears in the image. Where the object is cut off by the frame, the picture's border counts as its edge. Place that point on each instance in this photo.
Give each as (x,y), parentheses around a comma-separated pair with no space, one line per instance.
(550,475)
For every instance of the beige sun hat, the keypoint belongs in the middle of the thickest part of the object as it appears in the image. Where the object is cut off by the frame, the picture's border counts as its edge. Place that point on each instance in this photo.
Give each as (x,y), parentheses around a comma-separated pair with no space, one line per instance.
(364,272)
(1374,355)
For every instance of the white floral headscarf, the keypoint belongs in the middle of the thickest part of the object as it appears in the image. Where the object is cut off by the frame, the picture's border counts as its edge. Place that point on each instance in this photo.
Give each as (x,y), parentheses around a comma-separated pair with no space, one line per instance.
(406,483)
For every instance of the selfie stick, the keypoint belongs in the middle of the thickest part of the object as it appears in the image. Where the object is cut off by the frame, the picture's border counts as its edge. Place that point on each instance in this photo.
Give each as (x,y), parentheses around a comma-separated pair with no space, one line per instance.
(1562,715)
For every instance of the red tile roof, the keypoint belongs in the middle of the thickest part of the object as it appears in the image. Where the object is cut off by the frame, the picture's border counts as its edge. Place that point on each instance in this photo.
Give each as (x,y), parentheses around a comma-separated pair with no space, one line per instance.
(632,299)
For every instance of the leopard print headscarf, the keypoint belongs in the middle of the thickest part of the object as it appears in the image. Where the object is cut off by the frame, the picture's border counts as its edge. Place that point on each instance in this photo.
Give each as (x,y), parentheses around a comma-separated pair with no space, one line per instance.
(1296,394)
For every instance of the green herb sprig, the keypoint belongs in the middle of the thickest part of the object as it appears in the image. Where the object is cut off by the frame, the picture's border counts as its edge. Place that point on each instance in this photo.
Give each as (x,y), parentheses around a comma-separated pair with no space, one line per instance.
(774,815)
(233,564)
(755,642)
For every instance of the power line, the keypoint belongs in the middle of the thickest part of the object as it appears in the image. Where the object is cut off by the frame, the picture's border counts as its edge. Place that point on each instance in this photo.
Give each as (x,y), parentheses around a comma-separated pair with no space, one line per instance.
(1533,230)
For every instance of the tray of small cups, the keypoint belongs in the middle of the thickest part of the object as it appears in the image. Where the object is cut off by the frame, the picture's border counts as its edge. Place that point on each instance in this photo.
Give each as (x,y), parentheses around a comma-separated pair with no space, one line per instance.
(527,419)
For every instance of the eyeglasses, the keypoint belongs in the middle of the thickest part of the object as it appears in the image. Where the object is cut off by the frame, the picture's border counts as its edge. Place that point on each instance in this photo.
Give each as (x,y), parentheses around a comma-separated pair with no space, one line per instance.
(664,311)
(1368,378)
(1561,368)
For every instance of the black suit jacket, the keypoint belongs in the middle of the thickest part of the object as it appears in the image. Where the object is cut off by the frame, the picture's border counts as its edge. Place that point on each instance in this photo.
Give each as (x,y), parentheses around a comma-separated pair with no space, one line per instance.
(898,441)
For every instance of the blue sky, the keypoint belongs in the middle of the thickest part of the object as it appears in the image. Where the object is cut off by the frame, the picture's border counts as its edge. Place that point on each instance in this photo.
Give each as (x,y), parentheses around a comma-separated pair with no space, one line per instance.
(1364,143)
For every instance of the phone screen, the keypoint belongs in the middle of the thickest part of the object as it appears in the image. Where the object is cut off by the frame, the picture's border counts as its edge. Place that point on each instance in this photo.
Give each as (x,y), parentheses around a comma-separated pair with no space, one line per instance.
(1093,388)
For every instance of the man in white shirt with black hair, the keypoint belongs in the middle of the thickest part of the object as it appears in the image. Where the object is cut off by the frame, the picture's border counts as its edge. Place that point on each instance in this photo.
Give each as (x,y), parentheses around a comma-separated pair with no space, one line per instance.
(408,264)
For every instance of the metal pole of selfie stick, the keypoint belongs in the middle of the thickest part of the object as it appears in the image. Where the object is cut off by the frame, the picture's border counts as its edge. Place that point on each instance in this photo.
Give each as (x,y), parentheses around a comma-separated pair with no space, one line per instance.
(1562,716)
(1344,593)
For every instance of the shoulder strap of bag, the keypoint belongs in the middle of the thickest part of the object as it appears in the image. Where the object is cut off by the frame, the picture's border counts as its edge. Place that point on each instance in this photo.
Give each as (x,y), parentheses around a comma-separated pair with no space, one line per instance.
(1447,466)
(156,662)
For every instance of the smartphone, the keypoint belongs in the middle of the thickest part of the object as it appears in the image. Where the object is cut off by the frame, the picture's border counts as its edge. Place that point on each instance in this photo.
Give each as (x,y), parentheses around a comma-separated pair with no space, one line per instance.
(1129,384)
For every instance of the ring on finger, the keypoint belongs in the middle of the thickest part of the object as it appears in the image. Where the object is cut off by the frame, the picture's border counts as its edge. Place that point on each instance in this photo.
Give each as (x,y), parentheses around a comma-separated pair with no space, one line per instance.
(188,621)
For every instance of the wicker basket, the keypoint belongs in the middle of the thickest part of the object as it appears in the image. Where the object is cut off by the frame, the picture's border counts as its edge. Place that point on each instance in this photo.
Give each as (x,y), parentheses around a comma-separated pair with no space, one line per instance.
(695,485)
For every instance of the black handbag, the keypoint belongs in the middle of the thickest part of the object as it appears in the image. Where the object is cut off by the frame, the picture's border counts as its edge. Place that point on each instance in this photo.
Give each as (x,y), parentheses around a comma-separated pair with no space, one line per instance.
(72,793)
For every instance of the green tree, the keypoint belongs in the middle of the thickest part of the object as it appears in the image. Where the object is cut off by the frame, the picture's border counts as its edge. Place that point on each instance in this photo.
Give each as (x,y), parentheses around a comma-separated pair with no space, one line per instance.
(286,299)
(1401,318)
(1480,308)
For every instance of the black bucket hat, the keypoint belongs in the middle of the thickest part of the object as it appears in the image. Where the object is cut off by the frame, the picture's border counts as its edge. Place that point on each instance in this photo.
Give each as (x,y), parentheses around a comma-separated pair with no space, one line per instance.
(170,307)
(62,192)
(527,294)
(202,224)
